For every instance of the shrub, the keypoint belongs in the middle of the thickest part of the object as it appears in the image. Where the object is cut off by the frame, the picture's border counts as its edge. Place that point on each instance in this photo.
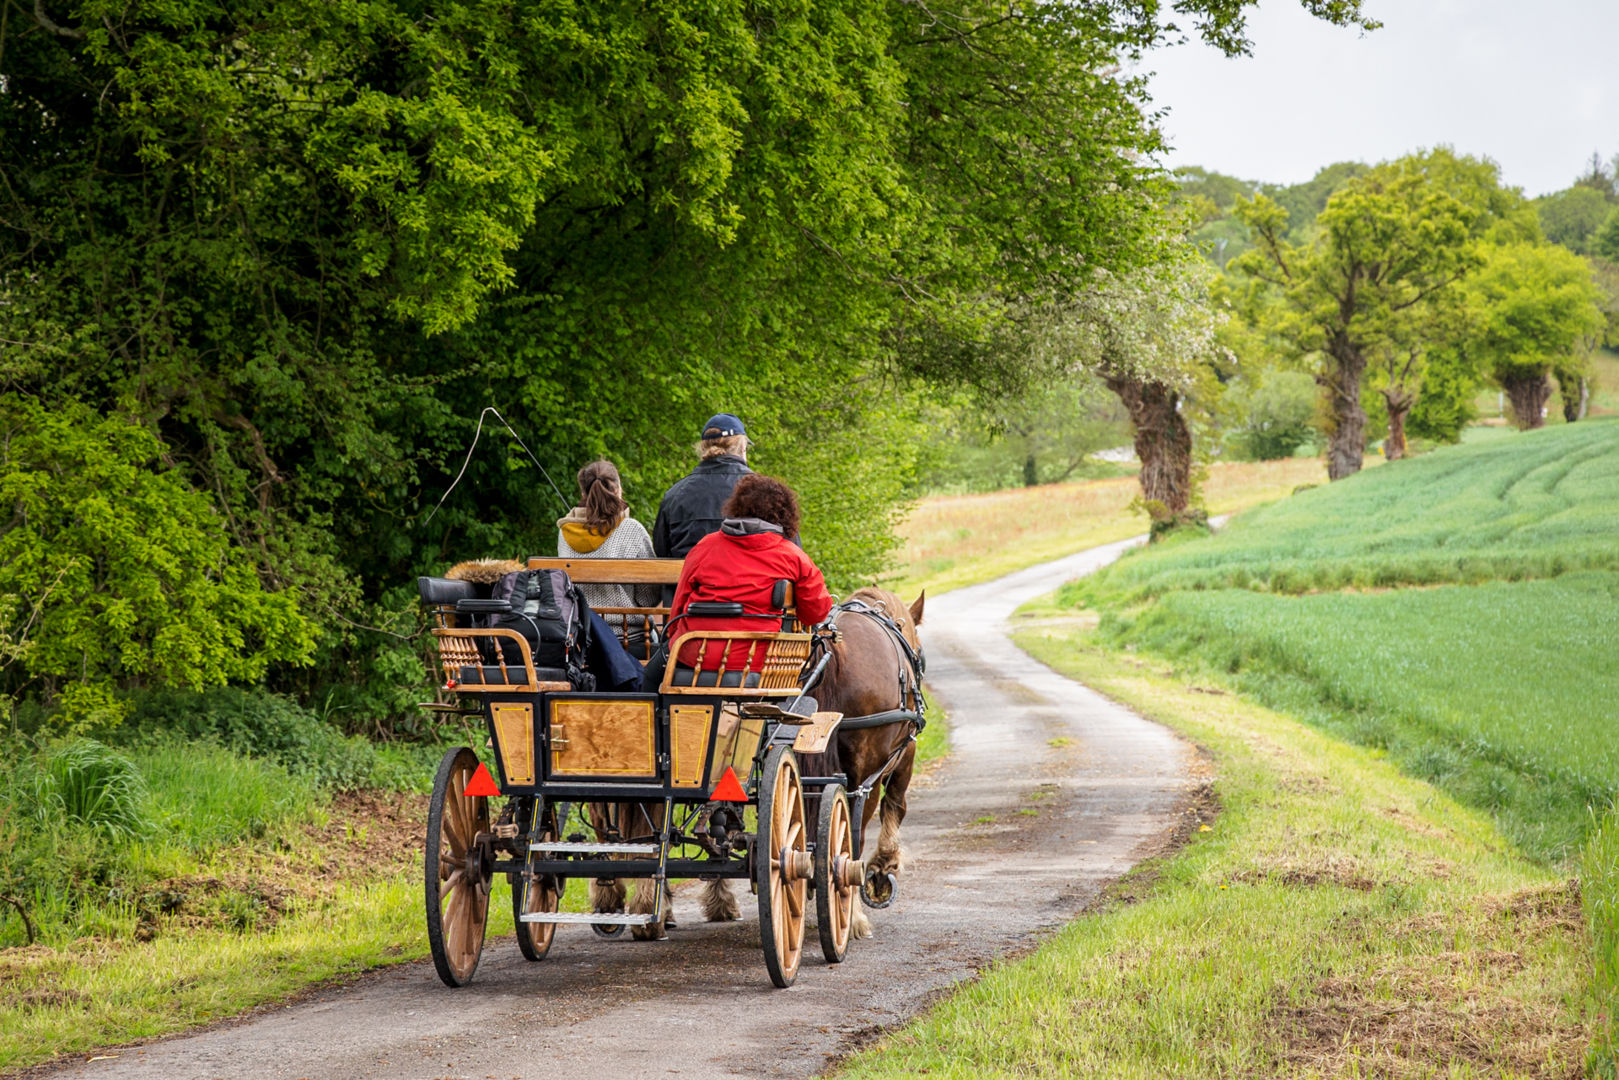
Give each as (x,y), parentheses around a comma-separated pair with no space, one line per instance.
(123,571)
(1275,418)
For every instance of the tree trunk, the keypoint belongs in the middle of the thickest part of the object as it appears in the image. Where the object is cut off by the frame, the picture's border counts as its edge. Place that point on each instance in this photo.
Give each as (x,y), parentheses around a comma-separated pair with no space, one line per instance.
(1346,444)
(1399,407)
(1030,476)
(1574,405)
(1528,394)
(1163,441)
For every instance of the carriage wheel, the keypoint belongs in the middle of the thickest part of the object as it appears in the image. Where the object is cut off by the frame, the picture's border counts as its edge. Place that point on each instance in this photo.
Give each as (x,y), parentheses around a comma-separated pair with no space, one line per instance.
(544,894)
(456,878)
(835,872)
(782,865)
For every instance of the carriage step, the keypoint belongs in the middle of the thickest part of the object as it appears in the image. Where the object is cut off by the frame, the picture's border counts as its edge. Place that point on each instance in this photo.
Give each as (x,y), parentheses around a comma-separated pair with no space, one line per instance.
(618,849)
(580,917)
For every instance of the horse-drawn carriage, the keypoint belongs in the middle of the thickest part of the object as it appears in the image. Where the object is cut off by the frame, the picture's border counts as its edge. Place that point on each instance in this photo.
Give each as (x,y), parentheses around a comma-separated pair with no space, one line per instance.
(700,779)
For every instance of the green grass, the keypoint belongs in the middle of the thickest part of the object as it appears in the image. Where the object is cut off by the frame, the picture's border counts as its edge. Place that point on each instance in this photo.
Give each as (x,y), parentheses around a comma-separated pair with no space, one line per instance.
(1534,505)
(1337,918)
(1600,875)
(1505,694)
(1458,613)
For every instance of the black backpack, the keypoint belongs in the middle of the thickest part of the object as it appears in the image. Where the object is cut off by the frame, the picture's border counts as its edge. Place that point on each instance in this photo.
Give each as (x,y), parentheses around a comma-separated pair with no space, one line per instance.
(549,611)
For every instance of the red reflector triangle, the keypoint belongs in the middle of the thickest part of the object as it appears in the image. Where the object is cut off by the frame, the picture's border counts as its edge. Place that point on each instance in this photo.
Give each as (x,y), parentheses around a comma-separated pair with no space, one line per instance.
(481,783)
(729,789)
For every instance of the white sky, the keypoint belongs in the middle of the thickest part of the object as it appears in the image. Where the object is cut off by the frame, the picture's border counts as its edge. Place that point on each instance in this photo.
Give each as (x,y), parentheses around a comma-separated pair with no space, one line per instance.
(1533,85)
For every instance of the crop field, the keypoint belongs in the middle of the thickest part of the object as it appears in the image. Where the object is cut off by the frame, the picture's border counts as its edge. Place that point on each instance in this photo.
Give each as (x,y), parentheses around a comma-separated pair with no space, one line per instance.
(1533,505)
(1457,613)
(1505,693)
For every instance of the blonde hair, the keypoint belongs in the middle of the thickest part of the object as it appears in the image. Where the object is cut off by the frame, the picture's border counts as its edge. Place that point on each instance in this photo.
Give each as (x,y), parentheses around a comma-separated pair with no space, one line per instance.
(735,445)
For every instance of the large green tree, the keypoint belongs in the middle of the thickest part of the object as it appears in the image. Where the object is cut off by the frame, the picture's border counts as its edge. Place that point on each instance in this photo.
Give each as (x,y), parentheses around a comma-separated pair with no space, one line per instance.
(1533,302)
(1392,246)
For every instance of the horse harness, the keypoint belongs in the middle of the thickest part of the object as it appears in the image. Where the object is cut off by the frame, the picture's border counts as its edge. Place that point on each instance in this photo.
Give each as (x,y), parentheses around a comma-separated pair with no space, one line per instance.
(913,663)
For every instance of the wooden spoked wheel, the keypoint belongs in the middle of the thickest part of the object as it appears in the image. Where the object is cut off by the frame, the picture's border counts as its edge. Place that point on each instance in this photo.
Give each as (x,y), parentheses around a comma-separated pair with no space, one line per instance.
(782,865)
(834,866)
(544,894)
(456,878)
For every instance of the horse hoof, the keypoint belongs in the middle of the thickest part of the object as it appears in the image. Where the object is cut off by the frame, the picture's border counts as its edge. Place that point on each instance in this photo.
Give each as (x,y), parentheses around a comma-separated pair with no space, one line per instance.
(877,891)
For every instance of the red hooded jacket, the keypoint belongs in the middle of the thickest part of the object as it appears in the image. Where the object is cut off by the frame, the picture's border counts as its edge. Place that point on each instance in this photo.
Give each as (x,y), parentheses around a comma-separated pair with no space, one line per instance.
(725,568)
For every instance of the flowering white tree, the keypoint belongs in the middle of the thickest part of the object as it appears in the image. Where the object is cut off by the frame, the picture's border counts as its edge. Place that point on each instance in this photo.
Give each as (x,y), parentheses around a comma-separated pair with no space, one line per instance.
(1148,337)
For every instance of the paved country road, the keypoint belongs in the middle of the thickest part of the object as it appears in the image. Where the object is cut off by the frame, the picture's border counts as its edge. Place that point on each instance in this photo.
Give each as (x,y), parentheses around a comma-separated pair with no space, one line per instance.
(700,1003)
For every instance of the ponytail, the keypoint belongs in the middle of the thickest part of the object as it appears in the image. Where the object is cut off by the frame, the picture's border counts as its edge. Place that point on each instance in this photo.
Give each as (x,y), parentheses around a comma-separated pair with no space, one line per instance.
(601,497)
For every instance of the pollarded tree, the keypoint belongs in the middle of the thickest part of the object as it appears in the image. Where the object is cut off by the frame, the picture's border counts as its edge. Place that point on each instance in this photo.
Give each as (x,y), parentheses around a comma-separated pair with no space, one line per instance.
(1390,246)
(1150,337)
(1532,302)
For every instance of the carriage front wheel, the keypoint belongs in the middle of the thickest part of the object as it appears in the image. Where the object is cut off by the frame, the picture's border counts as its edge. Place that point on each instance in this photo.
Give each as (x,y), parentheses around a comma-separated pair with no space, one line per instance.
(457,878)
(837,873)
(782,865)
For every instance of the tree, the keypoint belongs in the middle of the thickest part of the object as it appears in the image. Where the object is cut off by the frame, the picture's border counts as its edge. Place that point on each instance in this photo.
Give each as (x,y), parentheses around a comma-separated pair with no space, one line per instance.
(1572,217)
(304,245)
(1149,338)
(1533,302)
(1605,242)
(1392,245)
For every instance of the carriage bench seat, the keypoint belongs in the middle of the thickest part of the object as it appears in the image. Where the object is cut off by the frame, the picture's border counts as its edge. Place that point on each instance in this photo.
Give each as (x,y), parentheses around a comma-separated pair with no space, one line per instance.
(683,676)
(492,674)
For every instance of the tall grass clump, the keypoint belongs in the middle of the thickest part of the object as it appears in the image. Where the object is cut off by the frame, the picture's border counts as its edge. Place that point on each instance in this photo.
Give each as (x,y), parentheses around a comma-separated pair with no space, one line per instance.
(88,784)
(1600,886)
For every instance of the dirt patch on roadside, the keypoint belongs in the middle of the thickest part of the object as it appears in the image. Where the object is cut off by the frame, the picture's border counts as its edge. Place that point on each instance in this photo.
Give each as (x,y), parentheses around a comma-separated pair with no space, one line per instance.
(1427,1013)
(369,834)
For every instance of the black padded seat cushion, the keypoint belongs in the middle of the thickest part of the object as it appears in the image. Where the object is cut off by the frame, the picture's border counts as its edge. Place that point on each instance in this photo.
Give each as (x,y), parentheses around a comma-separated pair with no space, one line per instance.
(491,674)
(732,680)
(437,590)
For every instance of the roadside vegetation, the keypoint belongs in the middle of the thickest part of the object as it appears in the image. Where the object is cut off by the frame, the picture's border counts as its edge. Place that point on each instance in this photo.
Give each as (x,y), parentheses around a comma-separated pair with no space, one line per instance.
(1333,917)
(1456,614)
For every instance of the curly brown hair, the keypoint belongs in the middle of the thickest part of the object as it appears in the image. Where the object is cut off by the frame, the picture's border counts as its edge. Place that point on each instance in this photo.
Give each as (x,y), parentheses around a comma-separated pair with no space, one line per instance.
(766,498)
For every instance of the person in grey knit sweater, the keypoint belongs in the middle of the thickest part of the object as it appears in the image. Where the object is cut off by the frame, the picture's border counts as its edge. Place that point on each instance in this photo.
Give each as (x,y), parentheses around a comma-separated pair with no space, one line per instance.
(600,527)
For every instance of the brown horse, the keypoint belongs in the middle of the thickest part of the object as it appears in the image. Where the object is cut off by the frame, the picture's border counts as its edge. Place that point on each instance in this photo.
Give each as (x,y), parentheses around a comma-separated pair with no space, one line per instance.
(866,674)
(869,673)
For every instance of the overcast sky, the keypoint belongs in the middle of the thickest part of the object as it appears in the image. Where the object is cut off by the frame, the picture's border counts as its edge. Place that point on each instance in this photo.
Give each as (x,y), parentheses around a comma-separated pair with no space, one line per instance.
(1535,86)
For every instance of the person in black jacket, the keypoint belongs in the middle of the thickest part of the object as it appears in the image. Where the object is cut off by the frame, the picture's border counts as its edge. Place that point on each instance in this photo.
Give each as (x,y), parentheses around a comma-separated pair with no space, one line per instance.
(691,508)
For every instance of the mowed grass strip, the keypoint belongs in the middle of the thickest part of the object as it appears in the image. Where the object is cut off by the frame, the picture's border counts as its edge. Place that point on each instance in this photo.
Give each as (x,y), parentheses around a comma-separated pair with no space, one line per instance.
(1505,694)
(1532,505)
(956,540)
(1337,918)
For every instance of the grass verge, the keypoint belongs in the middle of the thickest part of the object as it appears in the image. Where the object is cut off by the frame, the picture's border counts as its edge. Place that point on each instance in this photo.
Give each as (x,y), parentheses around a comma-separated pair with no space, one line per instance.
(1337,918)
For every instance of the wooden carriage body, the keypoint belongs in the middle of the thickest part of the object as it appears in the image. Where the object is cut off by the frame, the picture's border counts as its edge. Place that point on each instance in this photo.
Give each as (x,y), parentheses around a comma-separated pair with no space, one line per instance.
(665,757)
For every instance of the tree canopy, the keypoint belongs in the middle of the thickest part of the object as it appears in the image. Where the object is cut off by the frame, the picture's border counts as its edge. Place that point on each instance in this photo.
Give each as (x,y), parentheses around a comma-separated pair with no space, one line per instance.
(303,245)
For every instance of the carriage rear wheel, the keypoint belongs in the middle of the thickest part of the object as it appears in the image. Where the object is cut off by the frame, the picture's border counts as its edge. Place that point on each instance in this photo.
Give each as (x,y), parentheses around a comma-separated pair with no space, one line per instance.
(530,895)
(782,865)
(457,874)
(836,873)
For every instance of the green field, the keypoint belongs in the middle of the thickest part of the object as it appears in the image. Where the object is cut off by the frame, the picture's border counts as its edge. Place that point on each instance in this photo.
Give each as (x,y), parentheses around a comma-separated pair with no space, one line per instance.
(1504,691)
(1458,613)
(1529,505)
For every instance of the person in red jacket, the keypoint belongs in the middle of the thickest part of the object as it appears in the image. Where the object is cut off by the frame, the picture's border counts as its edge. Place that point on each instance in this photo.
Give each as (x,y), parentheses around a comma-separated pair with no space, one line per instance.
(741,563)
